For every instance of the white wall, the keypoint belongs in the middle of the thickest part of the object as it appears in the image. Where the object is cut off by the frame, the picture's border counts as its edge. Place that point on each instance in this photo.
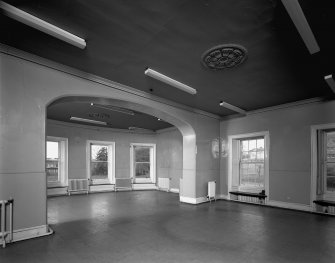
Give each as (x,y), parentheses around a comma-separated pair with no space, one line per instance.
(170,156)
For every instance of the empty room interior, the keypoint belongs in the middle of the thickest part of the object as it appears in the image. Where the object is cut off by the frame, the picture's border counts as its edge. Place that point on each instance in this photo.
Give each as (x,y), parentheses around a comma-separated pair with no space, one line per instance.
(167,131)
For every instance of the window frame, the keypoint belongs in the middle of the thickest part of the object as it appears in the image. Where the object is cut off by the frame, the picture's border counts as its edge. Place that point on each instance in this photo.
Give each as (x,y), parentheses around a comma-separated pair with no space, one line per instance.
(234,142)
(63,161)
(327,194)
(152,179)
(239,146)
(111,162)
(315,165)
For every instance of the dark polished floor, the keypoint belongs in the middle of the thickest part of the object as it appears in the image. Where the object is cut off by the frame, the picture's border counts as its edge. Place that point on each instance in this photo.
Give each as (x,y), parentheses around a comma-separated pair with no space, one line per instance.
(152,226)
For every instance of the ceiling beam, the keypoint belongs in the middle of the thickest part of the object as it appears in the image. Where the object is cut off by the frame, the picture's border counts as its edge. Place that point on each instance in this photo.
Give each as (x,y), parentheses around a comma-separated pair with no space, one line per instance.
(232,107)
(330,81)
(41,25)
(293,8)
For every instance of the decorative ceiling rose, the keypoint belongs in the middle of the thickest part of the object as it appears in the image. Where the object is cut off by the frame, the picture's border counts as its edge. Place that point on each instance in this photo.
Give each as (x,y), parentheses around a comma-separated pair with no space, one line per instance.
(224,56)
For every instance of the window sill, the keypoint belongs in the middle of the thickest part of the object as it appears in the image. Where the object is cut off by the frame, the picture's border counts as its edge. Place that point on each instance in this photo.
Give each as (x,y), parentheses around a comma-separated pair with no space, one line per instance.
(255,190)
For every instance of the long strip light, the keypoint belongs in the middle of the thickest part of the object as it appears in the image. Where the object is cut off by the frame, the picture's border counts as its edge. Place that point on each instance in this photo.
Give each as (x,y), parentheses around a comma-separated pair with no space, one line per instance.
(156,75)
(232,107)
(88,120)
(39,24)
(293,8)
(330,81)
(113,108)
(132,128)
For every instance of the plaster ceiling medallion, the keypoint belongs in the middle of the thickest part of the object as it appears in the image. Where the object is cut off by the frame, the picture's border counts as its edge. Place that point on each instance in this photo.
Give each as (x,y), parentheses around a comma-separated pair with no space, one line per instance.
(224,56)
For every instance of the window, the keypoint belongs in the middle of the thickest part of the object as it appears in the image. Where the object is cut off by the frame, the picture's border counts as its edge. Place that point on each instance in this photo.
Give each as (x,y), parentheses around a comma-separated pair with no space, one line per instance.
(101,163)
(143,163)
(252,163)
(325,179)
(330,162)
(248,162)
(56,161)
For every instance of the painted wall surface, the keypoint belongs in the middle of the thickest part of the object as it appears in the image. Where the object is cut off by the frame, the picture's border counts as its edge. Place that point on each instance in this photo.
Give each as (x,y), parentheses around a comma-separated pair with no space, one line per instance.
(208,165)
(26,90)
(78,135)
(170,156)
(290,147)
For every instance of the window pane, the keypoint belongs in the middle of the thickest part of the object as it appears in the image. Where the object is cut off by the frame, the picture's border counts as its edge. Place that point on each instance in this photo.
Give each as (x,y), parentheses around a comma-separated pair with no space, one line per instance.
(245,156)
(245,145)
(260,155)
(52,150)
(260,144)
(52,170)
(253,175)
(252,155)
(142,170)
(52,162)
(331,139)
(99,170)
(331,177)
(252,145)
(99,153)
(142,154)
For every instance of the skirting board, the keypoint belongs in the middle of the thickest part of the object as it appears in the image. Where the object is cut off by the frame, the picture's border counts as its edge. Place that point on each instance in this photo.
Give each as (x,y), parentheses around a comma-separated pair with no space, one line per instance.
(293,206)
(174,190)
(195,201)
(57,191)
(31,232)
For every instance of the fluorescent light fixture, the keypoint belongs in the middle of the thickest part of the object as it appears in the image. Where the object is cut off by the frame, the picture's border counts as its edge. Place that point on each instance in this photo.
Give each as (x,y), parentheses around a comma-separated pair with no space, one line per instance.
(88,120)
(232,107)
(330,81)
(41,25)
(156,75)
(293,8)
(113,108)
(132,128)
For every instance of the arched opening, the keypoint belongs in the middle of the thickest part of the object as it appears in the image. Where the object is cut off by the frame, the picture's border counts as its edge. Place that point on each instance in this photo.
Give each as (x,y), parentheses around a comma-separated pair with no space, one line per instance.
(97,109)
(168,145)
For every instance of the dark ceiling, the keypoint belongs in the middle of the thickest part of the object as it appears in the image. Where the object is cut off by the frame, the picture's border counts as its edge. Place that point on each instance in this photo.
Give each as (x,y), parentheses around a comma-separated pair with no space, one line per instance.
(124,37)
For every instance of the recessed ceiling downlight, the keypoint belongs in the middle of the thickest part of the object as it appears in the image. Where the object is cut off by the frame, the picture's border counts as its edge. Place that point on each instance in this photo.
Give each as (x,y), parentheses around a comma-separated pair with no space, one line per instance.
(224,56)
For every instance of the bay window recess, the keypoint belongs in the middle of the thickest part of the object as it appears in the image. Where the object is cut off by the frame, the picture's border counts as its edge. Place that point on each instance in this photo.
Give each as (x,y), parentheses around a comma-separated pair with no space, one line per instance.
(56,166)
(101,162)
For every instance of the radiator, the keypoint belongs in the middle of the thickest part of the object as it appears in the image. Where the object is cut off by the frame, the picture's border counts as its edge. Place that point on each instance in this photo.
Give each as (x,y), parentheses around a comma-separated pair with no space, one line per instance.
(78,185)
(211,191)
(164,184)
(123,184)
(250,199)
(5,231)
